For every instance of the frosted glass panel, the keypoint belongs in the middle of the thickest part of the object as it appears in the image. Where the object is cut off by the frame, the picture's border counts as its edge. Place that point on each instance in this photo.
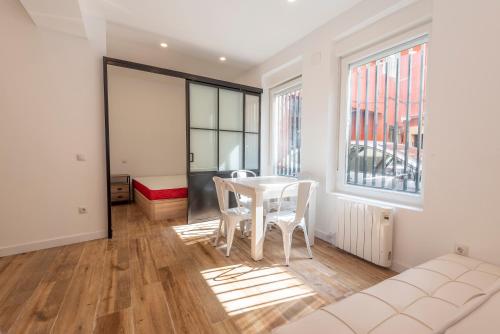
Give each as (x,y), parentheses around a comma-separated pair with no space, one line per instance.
(203,106)
(231,110)
(251,113)
(230,150)
(251,151)
(204,150)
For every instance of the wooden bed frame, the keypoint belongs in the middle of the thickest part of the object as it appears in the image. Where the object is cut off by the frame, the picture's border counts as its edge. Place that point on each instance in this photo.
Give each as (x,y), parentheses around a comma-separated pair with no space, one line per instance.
(161,209)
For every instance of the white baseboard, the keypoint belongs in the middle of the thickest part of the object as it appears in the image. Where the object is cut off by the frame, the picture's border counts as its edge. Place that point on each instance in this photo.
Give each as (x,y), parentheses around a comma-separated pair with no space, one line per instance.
(328,237)
(49,243)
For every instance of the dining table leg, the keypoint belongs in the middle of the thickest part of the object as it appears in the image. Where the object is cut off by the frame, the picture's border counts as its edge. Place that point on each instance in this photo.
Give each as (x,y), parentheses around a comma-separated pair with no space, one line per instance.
(257,248)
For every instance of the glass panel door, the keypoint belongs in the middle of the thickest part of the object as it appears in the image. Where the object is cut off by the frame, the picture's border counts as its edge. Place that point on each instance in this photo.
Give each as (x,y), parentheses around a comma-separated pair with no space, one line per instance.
(252,131)
(203,114)
(252,110)
(230,130)
(230,110)
(230,151)
(203,150)
(224,136)
(203,102)
(251,151)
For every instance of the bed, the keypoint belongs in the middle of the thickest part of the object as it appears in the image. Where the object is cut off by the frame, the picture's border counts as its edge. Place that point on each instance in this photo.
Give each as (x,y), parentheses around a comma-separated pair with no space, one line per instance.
(161,197)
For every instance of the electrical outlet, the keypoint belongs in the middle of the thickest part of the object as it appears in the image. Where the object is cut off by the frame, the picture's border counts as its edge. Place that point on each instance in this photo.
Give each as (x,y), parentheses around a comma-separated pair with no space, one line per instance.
(82,210)
(461,249)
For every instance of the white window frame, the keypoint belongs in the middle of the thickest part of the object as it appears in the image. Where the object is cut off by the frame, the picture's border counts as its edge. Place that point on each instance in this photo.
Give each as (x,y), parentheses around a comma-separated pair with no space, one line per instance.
(273,138)
(389,46)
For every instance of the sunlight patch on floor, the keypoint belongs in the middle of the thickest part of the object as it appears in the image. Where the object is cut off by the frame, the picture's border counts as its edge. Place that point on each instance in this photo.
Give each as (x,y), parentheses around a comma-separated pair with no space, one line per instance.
(241,288)
(199,232)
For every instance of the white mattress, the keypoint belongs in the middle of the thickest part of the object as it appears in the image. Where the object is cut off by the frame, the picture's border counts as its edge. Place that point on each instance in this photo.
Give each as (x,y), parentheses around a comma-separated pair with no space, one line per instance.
(163,182)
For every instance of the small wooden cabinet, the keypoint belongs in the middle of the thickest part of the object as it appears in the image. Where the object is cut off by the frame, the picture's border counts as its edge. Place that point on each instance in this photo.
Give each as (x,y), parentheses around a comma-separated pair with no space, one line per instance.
(120,188)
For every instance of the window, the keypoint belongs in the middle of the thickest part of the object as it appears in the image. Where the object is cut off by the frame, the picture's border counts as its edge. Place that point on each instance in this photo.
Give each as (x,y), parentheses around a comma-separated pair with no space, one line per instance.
(286,128)
(385,122)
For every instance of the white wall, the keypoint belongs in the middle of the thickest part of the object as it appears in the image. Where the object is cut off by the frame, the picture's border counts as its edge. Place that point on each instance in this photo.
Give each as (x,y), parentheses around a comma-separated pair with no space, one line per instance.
(51,109)
(462,143)
(147,117)
(460,183)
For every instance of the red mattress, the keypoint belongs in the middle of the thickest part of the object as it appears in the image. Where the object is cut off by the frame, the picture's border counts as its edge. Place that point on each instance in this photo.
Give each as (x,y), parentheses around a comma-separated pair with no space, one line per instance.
(160,193)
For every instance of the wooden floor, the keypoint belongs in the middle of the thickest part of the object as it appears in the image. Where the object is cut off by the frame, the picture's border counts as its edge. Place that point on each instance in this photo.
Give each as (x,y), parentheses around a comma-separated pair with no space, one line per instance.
(167,278)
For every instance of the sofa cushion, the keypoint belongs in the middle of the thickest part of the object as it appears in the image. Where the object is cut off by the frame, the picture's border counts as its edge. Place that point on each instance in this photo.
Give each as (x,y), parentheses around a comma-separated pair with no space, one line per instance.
(450,269)
(469,262)
(431,311)
(426,280)
(489,268)
(457,293)
(395,293)
(373,311)
(479,279)
(400,324)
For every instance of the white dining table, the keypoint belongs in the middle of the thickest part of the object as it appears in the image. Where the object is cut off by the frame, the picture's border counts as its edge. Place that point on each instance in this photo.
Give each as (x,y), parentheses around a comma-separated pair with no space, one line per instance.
(261,189)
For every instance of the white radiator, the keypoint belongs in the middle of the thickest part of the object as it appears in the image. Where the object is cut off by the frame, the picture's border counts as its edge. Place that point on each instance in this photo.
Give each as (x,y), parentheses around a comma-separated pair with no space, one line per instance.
(365,231)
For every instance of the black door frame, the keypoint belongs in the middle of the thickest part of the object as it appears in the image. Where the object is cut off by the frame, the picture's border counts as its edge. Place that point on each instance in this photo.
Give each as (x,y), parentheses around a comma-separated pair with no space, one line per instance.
(163,71)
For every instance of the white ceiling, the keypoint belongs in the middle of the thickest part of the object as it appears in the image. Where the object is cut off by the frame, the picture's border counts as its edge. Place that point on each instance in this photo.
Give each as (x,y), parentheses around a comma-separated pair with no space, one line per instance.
(62,15)
(247,32)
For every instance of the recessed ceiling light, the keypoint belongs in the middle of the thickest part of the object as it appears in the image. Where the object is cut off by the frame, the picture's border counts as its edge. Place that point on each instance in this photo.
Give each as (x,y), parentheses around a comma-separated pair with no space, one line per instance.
(163,45)
(222,58)
(291,0)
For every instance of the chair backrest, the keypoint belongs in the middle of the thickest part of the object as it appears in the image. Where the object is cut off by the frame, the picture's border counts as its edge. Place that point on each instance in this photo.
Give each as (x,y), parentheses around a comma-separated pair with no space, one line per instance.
(242,173)
(304,189)
(221,198)
(219,188)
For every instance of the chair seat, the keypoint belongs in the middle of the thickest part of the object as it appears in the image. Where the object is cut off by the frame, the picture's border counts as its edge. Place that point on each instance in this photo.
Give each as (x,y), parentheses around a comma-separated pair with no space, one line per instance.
(288,204)
(244,213)
(285,215)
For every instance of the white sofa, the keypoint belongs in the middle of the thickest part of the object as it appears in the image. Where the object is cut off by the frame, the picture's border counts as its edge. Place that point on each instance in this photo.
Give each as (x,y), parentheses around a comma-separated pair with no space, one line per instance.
(449,295)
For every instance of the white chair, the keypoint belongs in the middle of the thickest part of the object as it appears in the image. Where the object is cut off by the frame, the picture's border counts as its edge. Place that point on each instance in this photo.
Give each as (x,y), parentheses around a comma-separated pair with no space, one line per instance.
(244,200)
(287,220)
(290,202)
(230,217)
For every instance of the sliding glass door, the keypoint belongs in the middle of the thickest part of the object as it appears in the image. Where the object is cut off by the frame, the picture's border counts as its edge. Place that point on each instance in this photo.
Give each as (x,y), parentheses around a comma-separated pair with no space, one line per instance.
(203,113)
(224,135)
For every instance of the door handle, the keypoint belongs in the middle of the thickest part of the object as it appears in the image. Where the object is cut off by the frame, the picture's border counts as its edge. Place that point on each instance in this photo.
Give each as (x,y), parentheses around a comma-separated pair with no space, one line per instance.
(191,157)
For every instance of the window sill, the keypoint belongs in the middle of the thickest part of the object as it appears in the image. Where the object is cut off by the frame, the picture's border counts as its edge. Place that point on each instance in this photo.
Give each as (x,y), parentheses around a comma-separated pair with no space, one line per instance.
(376,202)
